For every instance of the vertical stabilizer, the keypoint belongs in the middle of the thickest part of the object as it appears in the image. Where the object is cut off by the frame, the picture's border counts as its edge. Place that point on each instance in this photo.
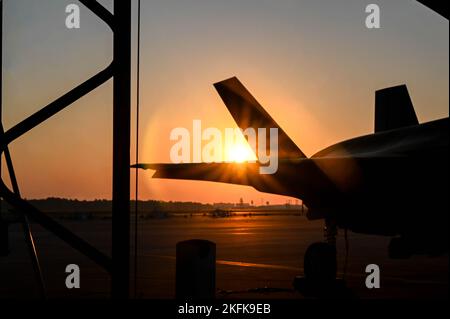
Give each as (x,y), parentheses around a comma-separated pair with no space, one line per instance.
(393,109)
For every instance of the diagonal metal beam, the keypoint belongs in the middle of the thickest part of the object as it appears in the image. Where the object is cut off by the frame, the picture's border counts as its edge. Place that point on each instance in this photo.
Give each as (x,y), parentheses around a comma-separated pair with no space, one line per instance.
(101,12)
(29,239)
(59,104)
(54,227)
(14,199)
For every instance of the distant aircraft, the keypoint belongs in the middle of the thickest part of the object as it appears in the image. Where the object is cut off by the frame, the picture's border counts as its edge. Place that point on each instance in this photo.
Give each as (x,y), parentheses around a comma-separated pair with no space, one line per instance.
(394,182)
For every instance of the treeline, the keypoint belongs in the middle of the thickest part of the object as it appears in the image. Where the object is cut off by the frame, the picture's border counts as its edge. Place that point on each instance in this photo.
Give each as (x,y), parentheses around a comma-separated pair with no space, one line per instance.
(65,205)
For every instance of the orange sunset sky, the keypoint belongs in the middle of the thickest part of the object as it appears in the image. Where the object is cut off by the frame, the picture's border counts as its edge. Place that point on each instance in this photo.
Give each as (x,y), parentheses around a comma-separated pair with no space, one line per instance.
(313,65)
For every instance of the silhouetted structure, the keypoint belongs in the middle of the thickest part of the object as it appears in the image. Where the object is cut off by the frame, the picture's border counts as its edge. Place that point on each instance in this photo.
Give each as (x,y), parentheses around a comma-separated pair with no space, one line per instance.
(120,69)
(336,184)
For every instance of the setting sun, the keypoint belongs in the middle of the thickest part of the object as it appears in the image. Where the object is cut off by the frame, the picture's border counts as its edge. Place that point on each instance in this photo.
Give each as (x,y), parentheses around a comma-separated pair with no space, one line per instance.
(239,152)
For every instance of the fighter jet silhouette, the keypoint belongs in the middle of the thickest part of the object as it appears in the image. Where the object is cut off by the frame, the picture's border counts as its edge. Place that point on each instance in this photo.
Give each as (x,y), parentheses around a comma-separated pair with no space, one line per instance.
(393,182)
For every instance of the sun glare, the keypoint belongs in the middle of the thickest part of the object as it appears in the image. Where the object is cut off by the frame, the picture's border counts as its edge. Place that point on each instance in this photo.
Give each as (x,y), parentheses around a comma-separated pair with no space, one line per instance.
(239,153)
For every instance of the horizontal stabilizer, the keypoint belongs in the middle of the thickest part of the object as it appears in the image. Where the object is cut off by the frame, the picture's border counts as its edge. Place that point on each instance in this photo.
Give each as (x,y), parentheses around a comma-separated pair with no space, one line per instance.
(393,109)
(247,112)
(294,177)
(232,173)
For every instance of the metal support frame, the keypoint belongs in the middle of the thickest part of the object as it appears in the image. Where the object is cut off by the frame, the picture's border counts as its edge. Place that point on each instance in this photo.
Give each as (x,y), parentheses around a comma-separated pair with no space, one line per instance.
(121,150)
(120,70)
(29,238)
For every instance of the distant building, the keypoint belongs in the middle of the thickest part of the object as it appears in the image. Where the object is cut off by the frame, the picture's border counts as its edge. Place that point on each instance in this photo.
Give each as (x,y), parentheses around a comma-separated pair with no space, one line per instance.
(224,205)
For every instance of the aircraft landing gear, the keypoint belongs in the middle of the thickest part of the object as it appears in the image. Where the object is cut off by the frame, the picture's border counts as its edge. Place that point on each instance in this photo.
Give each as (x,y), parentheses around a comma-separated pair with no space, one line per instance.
(320,269)
(330,231)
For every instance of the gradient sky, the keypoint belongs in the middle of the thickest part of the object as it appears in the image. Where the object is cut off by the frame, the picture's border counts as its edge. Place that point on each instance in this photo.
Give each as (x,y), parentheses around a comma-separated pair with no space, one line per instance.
(312,64)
